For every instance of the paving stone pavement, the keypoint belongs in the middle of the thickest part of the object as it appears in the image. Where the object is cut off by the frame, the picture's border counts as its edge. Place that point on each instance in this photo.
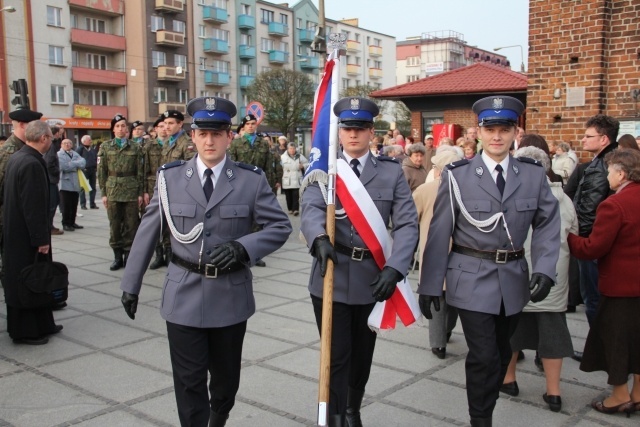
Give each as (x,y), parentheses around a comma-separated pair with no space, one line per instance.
(104,369)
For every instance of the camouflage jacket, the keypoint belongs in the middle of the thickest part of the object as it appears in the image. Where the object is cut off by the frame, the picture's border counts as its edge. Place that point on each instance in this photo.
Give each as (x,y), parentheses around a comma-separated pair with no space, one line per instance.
(259,155)
(152,162)
(120,171)
(10,146)
(276,176)
(182,149)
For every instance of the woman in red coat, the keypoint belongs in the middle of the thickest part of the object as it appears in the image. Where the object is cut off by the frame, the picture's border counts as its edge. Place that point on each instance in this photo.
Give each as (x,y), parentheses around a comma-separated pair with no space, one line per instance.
(612,344)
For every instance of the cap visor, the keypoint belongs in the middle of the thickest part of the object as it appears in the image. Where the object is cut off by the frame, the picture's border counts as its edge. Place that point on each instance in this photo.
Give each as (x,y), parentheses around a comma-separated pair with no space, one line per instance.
(496,122)
(356,125)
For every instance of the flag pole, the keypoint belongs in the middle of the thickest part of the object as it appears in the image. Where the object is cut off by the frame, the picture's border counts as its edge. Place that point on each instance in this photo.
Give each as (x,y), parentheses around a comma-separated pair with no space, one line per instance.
(338,44)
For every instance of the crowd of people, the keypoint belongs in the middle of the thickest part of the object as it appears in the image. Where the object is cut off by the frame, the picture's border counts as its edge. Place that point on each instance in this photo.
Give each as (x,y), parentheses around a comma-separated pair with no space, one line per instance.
(495,220)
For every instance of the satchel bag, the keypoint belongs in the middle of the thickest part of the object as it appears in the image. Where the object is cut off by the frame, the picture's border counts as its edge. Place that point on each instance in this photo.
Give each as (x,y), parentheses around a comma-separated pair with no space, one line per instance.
(43,284)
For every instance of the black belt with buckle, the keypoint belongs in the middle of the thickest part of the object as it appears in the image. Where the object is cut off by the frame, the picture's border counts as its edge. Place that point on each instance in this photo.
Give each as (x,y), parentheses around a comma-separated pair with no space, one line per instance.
(356,254)
(500,257)
(207,270)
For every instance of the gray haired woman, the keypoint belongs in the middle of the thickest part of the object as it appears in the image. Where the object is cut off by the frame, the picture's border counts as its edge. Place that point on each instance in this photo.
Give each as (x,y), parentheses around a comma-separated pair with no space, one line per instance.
(563,165)
(293,166)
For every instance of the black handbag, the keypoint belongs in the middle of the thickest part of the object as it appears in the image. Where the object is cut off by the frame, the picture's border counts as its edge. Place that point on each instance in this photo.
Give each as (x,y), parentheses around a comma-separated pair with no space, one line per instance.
(43,284)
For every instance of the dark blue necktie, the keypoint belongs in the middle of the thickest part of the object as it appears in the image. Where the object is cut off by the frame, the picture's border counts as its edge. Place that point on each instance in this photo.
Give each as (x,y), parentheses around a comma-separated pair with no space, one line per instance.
(500,179)
(208,184)
(354,165)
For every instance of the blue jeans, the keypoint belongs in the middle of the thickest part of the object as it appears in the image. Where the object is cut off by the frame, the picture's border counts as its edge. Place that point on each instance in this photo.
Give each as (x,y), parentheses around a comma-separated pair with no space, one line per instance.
(589,287)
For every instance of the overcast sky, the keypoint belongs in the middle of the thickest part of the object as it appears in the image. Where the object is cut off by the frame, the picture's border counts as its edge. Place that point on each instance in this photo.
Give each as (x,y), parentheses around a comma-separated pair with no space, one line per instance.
(484,23)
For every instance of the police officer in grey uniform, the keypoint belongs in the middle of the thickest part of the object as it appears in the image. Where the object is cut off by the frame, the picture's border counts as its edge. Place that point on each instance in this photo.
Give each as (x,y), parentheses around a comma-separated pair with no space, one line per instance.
(358,282)
(209,204)
(487,205)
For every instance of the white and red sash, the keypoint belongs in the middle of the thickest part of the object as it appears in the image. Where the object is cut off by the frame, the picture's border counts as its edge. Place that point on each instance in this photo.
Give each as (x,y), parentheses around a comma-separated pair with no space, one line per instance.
(367,220)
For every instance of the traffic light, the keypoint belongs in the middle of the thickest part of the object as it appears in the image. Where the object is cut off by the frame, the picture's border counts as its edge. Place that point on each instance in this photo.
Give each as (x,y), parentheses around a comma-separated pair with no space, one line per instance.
(21,90)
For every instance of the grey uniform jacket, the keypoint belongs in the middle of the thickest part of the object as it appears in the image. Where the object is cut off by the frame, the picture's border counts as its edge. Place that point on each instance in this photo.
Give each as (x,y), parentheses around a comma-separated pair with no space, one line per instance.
(241,198)
(69,170)
(388,188)
(481,285)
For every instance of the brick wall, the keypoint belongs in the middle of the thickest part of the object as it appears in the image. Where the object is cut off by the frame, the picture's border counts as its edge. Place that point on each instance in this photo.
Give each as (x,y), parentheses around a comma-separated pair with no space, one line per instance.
(465,118)
(589,43)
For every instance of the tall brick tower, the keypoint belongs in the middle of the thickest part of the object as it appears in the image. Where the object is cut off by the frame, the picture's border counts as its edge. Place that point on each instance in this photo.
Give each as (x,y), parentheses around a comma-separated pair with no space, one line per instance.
(584,59)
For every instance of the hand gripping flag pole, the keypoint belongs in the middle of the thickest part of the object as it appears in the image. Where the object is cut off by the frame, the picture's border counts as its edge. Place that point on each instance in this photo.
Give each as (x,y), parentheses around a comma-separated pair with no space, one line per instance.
(322,170)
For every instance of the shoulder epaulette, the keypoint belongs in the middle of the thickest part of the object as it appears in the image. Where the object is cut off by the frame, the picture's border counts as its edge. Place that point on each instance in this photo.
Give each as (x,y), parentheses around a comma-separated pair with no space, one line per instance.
(387,159)
(172,164)
(249,167)
(529,160)
(458,163)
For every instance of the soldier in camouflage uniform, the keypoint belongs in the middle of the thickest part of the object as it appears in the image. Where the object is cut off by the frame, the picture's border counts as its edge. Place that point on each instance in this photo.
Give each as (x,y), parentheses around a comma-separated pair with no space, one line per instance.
(121,176)
(275,181)
(137,133)
(152,162)
(179,145)
(253,150)
(19,119)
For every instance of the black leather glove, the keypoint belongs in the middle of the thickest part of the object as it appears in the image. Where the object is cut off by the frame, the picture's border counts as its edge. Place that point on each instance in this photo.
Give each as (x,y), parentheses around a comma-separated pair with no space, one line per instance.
(229,254)
(540,286)
(425,302)
(130,303)
(323,250)
(385,284)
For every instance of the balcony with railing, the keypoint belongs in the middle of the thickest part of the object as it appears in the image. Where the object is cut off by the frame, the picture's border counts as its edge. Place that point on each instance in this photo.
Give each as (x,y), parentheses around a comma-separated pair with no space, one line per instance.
(216,46)
(246,51)
(169,38)
(278,57)
(215,14)
(306,36)
(246,22)
(99,41)
(167,73)
(353,69)
(278,29)
(216,78)
(309,62)
(98,77)
(375,73)
(245,81)
(353,46)
(170,6)
(375,50)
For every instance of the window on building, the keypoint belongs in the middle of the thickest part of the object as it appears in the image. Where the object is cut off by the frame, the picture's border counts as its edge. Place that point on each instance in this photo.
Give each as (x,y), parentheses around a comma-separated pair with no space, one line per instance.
(267,16)
(202,31)
(55,55)
(202,2)
(98,62)
(345,83)
(377,42)
(413,61)
(430,118)
(224,95)
(157,23)
(413,78)
(220,66)
(246,70)
(357,37)
(266,45)
(377,64)
(265,70)
(245,99)
(203,63)
(73,20)
(57,94)
(220,34)
(180,61)
(245,9)
(182,95)
(98,97)
(220,4)
(178,26)
(96,25)
(76,96)
(159,94)
(284,47)
(311,25)
(54,16)
(204,93)
(246,39)
(75,59)
(329,30)
(158,58)
(284,18)
(299,23)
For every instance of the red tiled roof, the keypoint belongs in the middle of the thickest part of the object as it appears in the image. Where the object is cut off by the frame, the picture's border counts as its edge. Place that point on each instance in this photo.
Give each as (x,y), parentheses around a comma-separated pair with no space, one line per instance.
(476,78)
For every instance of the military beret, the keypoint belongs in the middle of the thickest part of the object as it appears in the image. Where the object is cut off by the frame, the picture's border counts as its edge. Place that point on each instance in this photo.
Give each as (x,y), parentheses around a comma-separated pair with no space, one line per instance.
(239,128)
(211,112)
(158,121)
(136,124)
(498,110)
(116,119)
(355,112)
(24,115)
(249,118)
(174,114)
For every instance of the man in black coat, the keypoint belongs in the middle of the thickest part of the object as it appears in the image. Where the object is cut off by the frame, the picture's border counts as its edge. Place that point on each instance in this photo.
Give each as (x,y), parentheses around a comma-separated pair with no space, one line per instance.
(27,232)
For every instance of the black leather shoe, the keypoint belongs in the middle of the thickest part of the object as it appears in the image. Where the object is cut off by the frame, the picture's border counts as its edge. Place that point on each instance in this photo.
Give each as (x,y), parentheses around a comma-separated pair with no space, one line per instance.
(261,263)
(554,402)
(77,227)
(510,388)
(94,207)
(217,420)
(57,329)
(68,228)
(577,356)
(31,341)
(481,422)
(84,208)
(440,352)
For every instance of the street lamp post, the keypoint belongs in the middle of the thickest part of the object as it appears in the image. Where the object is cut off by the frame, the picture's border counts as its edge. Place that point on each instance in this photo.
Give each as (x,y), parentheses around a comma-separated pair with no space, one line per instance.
(521,54)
